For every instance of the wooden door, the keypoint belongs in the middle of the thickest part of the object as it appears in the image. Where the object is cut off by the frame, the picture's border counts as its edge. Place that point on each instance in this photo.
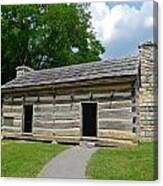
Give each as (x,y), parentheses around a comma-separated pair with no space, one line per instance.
(28,116)
(89,119)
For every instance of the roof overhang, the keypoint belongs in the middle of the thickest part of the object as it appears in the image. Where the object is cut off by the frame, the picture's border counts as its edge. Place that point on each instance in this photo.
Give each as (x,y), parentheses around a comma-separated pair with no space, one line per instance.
(72,84)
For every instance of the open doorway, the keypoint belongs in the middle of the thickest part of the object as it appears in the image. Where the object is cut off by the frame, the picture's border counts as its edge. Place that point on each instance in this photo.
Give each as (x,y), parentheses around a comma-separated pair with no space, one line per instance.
(28,116)
(89,119)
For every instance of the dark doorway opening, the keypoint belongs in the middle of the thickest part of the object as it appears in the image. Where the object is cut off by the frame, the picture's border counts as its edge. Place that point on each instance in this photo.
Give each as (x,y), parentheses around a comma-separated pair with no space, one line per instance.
(28,115)
(89,117)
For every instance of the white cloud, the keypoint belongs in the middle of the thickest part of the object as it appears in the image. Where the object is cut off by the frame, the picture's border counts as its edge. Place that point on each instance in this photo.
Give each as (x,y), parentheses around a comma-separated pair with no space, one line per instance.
(122,25)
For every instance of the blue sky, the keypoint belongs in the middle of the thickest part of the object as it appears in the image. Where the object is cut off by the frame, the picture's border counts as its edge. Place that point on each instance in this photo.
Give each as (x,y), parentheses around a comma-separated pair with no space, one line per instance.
(121,26)
(136,4)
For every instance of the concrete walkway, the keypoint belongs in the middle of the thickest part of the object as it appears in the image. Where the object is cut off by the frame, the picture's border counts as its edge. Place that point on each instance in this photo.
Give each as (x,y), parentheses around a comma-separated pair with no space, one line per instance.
(71,163)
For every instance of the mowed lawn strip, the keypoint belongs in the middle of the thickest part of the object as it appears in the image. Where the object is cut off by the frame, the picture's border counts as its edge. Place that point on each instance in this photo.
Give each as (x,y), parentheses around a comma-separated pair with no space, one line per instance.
(129,163)
(24,159)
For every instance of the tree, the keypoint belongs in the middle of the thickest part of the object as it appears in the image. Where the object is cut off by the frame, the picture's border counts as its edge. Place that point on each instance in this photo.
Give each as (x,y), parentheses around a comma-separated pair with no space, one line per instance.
(44,36)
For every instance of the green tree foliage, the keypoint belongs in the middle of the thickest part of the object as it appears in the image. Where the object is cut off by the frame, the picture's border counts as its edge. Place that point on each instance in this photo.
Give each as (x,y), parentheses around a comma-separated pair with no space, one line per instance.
(44,36)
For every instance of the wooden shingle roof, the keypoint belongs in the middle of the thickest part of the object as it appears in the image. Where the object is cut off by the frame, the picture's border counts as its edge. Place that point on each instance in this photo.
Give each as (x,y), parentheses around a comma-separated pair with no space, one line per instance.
(73,73)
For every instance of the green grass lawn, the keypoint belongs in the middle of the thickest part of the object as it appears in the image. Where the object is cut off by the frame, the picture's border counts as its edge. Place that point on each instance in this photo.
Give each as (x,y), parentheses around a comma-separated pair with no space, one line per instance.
(134,163)
(24,159)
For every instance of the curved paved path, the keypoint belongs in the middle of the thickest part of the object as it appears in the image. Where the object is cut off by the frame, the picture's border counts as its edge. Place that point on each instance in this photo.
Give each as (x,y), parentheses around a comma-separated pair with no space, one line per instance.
(70,163)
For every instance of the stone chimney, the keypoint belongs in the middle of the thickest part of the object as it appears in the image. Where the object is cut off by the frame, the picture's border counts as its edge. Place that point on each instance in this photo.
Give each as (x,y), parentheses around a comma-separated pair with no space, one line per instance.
(21,70)
(148,90)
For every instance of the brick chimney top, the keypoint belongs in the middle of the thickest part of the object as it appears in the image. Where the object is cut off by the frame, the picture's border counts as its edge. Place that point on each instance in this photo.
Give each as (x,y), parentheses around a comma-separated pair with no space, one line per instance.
(21,70)
(147,44)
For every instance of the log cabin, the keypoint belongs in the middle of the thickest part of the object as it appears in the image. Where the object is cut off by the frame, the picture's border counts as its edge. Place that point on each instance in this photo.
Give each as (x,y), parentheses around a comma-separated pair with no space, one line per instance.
(110,102)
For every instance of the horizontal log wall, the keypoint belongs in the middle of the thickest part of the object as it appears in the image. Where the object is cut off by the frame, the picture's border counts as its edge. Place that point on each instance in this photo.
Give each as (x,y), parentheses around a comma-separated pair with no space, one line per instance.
(115,117)
(11,117)
(116,134)
(43,114)
(57,113)
(67,116)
